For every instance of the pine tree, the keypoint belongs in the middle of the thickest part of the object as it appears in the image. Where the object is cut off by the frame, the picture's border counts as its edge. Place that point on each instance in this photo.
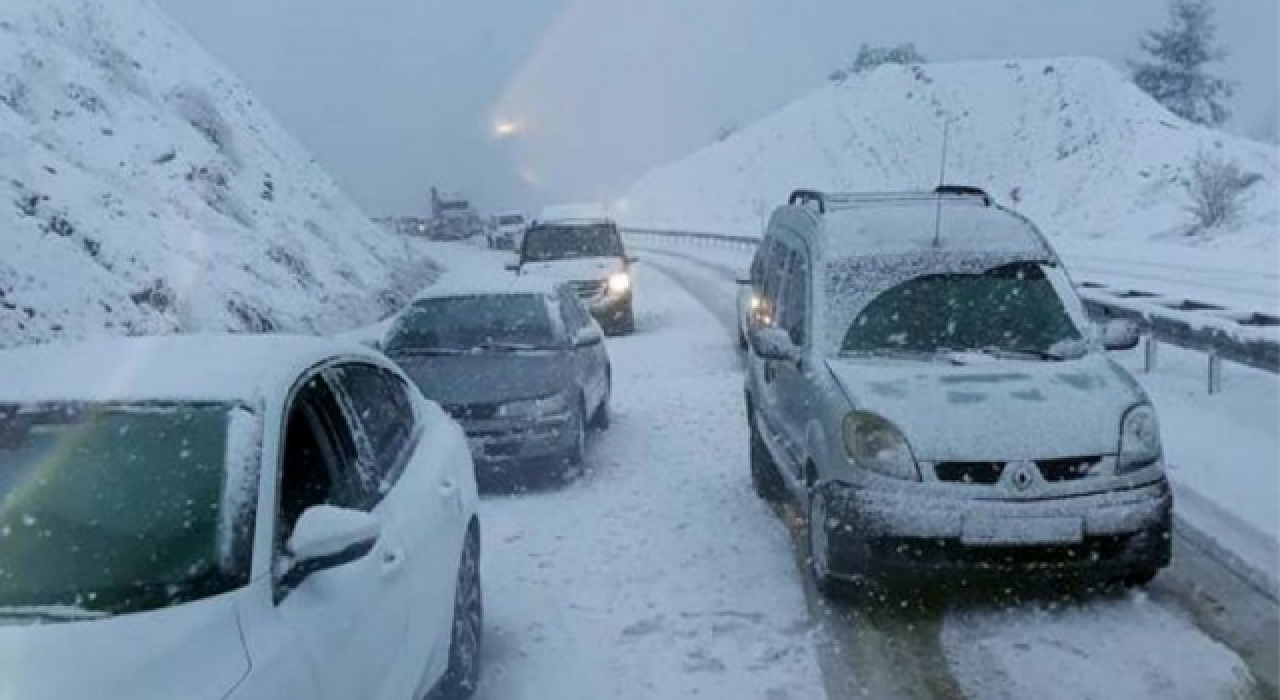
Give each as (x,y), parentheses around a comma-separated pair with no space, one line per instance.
(1175,75)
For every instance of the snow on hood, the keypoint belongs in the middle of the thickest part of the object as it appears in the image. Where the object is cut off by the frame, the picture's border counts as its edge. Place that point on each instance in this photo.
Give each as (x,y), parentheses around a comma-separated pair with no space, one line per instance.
(997,410)
(190,651)
(576,269)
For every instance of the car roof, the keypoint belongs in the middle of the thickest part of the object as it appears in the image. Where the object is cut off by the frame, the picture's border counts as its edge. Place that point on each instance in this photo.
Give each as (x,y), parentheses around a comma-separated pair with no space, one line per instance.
(204,367)
(896,225)
(492,286)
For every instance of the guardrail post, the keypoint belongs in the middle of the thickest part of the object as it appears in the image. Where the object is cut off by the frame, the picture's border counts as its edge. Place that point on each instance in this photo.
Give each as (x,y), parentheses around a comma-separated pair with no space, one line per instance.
(1150,354)
(1215,373)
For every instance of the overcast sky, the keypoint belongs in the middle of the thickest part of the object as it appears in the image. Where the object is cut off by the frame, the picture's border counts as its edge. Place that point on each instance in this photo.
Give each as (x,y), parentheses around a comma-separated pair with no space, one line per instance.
(396,95)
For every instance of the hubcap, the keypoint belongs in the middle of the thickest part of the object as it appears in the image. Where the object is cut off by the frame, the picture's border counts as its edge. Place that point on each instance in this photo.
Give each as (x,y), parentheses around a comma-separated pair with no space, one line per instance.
(818,533)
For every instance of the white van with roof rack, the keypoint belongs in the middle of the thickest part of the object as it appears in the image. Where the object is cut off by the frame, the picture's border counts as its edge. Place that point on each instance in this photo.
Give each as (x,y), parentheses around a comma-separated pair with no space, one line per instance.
(923,379)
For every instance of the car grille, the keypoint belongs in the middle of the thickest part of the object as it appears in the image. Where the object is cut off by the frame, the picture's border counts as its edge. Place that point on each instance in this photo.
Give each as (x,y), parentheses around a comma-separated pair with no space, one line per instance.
(1052,470)
(969,472)
(589,288)
(1070,469)
(475,411)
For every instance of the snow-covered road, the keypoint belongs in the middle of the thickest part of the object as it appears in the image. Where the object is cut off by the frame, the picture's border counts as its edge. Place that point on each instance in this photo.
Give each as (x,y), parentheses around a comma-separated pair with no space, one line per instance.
(658,574)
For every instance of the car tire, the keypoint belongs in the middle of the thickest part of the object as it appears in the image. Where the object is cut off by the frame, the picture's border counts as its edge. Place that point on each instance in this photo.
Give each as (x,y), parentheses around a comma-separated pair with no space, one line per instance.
(578,450)
(463,673)
(601,420)
(764,471)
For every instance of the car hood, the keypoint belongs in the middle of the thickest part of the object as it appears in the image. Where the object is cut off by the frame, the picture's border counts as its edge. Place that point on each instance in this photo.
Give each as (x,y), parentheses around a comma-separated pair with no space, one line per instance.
(576,269)
(995,409)
(190,651)
(486,378)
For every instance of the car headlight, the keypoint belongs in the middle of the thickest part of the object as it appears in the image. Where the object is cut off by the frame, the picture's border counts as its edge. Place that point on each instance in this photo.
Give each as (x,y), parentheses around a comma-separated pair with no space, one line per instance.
(875,444)
(619,282)
(1139,439)
(554,406)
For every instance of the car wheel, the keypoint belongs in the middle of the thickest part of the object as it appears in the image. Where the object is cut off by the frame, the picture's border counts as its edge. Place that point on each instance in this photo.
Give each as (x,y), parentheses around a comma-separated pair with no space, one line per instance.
(601,420)
(578,429)
(463,673)
(764,471)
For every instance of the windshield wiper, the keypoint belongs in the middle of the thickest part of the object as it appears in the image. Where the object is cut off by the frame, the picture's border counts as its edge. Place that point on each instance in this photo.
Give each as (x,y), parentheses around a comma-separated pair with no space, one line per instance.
(426,352)
(494,346)
(1021,353)
(50,613)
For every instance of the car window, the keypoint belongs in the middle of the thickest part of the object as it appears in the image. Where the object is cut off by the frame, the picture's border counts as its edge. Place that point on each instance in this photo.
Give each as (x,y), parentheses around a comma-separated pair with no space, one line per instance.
(384,415)
(792,316)
(549,242)
(1012,308)
(120,508)
(319,461)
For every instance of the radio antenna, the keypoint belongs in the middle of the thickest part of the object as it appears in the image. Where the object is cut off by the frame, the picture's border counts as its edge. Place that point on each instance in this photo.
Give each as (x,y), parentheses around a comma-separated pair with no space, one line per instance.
(942,180)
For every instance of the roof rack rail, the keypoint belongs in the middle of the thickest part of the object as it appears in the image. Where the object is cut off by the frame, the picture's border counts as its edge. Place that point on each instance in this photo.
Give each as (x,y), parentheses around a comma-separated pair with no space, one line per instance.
(829,200)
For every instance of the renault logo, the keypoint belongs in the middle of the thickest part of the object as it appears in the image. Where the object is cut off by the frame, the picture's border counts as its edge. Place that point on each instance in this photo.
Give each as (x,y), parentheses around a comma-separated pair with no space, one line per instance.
(1023,477)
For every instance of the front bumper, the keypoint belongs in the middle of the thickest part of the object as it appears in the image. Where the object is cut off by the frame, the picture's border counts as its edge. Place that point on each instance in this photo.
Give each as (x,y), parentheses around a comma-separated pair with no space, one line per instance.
(1107,535)
(499,444)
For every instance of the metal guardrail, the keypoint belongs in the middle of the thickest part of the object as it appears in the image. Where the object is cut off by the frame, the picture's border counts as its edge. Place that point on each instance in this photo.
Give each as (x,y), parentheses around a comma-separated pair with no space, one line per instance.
(1248,338)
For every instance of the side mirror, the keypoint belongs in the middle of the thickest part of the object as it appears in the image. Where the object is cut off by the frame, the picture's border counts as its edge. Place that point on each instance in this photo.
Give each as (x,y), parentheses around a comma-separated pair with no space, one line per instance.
(1121,334)
(772,344)
(327,537)
(588,337)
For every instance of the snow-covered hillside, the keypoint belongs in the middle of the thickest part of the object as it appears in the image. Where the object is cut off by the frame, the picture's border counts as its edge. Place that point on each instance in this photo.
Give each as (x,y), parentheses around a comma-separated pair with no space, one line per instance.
(1091,155)
(142,189)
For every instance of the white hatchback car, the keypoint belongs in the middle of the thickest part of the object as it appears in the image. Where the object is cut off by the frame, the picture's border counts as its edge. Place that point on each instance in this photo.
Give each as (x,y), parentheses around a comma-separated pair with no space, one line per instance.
(215,517)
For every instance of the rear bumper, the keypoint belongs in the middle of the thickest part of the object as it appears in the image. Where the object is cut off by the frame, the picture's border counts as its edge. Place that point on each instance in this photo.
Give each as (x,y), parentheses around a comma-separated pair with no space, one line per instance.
(1116,534)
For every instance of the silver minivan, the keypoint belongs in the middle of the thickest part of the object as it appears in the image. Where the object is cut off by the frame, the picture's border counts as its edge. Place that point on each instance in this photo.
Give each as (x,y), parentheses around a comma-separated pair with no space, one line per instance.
(923,379)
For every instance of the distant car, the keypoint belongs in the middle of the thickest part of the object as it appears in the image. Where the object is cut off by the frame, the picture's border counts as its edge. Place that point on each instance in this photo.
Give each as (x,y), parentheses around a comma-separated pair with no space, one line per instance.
(924,380)
(589,255)
(520,364)
(244,517)
(507,231)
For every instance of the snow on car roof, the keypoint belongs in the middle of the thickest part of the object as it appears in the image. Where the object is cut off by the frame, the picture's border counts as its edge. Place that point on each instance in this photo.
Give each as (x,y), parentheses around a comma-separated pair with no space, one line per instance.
(186,367)
(888,227)
(501,284)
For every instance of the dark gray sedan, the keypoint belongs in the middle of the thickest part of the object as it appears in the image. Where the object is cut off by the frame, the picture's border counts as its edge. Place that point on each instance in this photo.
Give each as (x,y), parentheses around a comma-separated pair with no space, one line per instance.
(522,366)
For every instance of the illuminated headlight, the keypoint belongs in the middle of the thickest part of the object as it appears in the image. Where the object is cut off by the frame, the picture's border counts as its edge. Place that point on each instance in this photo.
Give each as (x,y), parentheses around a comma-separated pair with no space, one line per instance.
(875,444)
(619,282)
(555,406)
(755,303)
(1139,439)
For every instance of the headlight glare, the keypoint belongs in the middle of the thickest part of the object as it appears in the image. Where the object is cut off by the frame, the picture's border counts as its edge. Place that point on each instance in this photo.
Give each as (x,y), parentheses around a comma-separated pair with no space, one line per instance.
(876,444)
(1139,439)
(619,282)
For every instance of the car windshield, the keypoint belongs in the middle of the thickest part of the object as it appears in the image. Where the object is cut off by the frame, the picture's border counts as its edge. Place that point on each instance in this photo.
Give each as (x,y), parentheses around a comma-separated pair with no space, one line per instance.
(510,220)
(114,508)
(1011,309)
(489,323)
(546,243)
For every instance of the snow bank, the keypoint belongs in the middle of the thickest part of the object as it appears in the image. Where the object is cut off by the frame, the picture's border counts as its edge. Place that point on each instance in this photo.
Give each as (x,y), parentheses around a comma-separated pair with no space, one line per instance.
(142,189)
(1091,155)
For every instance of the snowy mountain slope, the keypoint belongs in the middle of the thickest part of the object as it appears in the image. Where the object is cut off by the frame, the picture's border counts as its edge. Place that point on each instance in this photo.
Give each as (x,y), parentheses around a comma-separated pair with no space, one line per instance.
(142,189)
(1092,156)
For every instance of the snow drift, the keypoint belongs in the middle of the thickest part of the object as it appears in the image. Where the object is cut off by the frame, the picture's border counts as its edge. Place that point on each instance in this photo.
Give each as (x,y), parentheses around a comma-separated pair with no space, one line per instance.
(142,189)
(1089,154)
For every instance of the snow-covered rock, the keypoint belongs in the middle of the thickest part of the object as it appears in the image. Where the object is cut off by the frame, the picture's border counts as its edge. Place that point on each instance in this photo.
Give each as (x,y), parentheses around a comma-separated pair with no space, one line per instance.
(1090,155)
(143,189)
